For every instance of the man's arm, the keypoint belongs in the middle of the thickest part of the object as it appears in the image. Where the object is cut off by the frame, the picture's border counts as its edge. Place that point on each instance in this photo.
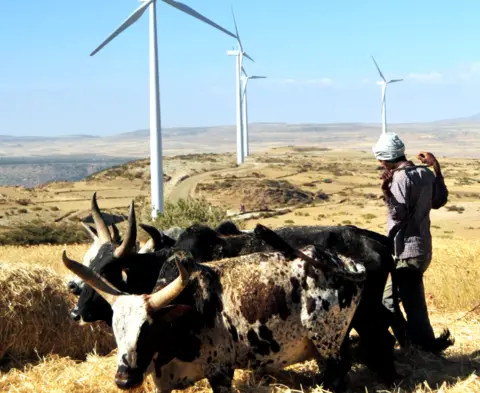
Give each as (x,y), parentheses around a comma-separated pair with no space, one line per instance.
(440,191)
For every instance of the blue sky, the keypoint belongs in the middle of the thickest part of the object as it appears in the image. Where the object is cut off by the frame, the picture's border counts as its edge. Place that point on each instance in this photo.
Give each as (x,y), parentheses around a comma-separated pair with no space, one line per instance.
(315,53)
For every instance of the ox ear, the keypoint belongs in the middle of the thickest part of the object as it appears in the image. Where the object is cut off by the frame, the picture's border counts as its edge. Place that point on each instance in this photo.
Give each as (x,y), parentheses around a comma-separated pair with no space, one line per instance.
(156,237)
(102,286)
(103,232)
(176,312)
(158,240)
(164,296)
(177,315)
(131,236)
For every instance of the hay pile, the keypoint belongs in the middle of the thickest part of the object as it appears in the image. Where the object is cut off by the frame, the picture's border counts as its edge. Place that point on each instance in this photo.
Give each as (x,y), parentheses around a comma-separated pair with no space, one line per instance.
(34,317)
(57,374)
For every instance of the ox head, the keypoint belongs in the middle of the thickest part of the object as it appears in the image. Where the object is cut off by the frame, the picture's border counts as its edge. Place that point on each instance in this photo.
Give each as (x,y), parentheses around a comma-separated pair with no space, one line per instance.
(106,255)
(140,320)
(228,228)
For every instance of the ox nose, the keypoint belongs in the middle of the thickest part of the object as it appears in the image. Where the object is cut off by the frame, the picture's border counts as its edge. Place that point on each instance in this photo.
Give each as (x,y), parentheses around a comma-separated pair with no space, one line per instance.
(75,315)
(128,380)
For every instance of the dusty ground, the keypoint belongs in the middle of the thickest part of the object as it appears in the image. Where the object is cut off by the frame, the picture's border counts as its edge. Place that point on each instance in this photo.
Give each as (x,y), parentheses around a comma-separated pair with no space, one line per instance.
(116,187)
(349,180)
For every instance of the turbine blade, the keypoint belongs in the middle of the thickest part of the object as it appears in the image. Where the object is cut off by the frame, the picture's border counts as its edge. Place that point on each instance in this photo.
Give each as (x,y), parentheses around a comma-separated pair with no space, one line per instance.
(236,31)
(134,16)
(190,11)
(248,57)
(244,72)
(378,68)
(395,80)
(257,77)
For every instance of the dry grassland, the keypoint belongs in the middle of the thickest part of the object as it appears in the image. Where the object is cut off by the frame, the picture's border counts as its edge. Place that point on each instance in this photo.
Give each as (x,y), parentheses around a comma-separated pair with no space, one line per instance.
(452,290)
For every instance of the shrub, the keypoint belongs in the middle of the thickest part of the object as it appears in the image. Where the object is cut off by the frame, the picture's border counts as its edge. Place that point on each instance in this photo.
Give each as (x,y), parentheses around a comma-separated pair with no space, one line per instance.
(187,212)
(38,232)
(454,208)
(23,202)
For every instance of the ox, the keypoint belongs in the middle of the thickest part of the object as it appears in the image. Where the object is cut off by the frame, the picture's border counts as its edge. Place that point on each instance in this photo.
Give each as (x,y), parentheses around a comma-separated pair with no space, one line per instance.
(205,245)
(263,310)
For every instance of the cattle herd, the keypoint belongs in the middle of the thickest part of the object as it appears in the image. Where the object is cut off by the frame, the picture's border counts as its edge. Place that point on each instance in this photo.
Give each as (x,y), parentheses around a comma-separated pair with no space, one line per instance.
(200,302)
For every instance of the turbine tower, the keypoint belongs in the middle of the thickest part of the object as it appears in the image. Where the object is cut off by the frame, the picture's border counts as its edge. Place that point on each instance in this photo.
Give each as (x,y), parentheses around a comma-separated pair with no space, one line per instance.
(156,162)
(384,84)
(245,79)
(239,53)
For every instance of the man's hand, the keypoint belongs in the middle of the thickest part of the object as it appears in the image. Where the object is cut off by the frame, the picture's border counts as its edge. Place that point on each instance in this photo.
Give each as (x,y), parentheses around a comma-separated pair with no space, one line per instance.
(427,158)
(386,177)
(430,160)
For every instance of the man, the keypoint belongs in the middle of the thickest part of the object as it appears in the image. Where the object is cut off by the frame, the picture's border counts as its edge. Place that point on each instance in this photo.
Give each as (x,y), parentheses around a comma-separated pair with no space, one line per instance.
(410,192)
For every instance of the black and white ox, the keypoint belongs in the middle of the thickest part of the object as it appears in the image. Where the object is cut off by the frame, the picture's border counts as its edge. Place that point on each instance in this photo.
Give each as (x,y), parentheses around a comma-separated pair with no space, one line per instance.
(264,311)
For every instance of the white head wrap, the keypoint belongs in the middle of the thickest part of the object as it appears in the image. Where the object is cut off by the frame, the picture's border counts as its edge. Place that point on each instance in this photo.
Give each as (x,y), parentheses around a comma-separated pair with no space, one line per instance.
(388,147)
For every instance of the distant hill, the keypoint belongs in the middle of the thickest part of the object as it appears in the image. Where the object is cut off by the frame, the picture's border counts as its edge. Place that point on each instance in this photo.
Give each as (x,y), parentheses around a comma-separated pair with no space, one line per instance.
(20,139)
(460,120)
(447,137)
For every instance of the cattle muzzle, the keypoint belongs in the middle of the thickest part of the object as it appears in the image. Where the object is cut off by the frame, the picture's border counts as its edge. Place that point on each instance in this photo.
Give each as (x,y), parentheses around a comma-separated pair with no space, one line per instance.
(75,314)
(128,378)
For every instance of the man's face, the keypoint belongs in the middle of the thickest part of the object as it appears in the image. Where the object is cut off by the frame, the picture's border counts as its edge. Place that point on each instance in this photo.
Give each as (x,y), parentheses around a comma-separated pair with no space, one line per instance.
(386,164)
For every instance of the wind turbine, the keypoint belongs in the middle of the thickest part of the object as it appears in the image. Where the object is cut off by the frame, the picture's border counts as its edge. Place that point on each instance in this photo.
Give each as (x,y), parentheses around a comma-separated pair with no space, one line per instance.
(156,164)
(384,84)
(239,53)
(245,78)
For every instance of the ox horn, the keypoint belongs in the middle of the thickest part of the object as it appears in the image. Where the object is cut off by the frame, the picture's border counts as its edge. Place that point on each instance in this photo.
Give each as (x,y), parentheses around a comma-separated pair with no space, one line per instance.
(103,232)
(166,295)
(97,282)
(131,237)
(116,233)
(156,237)
(91,231)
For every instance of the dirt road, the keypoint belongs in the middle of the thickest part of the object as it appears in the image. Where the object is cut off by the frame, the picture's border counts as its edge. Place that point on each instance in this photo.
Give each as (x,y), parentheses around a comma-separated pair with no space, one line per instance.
(185,188)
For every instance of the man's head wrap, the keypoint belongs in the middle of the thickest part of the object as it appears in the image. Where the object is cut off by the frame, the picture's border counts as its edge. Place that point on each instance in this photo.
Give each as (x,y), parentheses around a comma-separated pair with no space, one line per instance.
(388,147)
